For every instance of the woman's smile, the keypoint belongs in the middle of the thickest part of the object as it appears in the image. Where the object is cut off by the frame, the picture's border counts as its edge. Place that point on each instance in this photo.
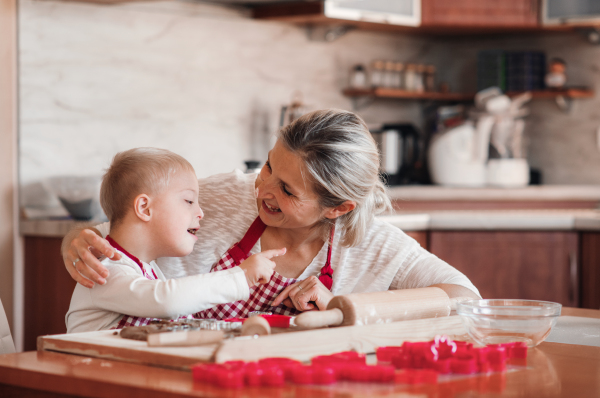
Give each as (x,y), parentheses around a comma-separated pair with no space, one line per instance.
(271,209)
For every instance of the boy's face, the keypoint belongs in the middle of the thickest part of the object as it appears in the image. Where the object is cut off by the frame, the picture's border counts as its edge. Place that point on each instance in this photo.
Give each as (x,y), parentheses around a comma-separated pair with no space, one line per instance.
(176,216)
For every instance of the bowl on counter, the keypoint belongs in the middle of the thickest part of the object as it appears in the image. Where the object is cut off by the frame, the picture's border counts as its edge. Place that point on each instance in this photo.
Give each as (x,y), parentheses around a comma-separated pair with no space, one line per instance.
(79,195)
(499,321)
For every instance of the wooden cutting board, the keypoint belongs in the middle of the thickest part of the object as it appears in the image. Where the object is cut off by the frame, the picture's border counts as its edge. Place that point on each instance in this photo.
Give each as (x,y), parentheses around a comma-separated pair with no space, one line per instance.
(105,344)
(300,345)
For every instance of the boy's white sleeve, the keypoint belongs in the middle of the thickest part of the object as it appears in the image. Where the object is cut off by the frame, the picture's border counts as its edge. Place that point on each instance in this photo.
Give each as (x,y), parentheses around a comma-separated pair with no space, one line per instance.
(128,292)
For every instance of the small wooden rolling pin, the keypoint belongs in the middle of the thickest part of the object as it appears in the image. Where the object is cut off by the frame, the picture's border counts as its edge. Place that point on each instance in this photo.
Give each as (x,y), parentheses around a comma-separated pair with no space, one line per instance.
(381,307)
(185,338)
(255,325)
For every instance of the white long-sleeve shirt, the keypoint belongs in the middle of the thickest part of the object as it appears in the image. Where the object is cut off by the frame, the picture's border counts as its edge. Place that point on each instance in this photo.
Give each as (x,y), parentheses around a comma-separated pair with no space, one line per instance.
(128,292)
(385,259)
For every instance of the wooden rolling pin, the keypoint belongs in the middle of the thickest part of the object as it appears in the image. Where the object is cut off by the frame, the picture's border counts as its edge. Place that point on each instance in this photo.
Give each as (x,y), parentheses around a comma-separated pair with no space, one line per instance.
(381,307)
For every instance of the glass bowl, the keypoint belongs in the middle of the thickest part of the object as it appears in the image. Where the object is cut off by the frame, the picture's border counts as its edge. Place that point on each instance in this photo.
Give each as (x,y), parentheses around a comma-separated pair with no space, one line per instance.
(499,321)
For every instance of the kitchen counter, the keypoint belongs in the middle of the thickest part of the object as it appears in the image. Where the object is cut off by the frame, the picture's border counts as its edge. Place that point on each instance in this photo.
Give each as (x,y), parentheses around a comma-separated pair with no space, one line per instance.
(554,369)
(536,207)
(531,192)
(543,220)
(558,220)
(51,228)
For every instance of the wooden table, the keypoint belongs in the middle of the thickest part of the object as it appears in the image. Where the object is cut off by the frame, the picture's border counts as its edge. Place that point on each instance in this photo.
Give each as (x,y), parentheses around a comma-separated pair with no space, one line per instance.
(553,370)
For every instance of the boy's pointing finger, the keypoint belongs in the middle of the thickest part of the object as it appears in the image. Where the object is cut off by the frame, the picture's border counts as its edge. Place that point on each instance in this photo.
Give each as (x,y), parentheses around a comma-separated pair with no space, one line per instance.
(274,252)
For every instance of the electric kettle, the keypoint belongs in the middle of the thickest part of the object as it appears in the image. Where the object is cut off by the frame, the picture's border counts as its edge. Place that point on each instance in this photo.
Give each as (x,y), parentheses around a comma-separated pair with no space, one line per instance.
(399,146)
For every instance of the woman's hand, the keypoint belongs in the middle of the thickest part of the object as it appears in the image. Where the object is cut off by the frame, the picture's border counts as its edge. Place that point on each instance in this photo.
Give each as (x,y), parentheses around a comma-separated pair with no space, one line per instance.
(301,295)
(81,249)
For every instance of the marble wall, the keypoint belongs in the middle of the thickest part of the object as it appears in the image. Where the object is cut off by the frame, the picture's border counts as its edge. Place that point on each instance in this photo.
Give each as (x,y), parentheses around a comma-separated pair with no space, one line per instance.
(208,82)
(201,80)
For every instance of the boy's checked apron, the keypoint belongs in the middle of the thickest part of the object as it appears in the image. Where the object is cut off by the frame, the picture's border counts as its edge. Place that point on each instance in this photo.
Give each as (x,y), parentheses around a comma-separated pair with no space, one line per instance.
(261,295)
(128,320)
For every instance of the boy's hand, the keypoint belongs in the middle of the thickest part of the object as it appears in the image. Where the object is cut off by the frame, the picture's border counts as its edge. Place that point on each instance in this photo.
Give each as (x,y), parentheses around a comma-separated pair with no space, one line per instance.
(259,267)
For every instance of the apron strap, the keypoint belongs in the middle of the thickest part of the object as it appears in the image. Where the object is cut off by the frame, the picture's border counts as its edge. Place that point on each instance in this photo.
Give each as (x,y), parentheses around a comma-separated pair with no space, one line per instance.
(131,256)
(326,276)
(239,251)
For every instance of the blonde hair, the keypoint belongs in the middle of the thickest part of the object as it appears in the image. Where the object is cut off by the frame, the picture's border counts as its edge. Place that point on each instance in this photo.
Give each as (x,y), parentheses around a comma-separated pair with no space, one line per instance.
(342,159)
(137,171)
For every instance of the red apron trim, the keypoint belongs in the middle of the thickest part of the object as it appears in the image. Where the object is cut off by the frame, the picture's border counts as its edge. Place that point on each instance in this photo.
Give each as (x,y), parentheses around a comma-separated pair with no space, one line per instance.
(326,276)
(240,250)
(131,256)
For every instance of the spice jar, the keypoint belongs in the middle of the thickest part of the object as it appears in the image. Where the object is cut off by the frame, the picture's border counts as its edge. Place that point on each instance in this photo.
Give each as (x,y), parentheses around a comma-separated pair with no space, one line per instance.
(410,76)
(390,71)
(430,78)
(398,75)
(358,77)
(376,75)
(419,78)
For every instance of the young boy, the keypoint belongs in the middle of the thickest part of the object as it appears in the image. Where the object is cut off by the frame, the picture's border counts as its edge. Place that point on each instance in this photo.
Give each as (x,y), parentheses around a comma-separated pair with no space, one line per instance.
(151,199)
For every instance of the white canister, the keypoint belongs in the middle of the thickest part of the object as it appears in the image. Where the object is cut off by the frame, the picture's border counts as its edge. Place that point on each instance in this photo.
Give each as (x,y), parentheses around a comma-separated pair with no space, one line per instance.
(508,172)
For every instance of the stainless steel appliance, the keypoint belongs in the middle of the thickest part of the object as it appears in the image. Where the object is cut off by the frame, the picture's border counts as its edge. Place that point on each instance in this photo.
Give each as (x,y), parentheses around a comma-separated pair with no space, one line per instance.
(401,155)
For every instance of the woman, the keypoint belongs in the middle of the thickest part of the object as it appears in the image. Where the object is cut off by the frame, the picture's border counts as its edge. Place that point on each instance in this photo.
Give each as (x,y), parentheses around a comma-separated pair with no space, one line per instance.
(317,195)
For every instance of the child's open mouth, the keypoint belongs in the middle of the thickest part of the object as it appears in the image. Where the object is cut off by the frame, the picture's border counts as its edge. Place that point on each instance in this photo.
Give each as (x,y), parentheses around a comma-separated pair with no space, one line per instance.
(193,231)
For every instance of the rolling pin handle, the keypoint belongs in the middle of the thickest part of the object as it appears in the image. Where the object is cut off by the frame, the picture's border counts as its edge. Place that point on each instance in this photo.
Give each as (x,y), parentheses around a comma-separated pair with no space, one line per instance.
(256,325)
(318,319)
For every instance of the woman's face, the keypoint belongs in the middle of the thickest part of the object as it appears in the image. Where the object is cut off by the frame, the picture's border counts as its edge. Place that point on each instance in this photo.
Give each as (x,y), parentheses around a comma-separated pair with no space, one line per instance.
(285,198)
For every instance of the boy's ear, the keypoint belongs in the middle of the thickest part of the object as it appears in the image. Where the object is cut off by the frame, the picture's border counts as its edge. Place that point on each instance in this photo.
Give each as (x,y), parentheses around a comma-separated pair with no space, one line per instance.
(142,207)
(340,210)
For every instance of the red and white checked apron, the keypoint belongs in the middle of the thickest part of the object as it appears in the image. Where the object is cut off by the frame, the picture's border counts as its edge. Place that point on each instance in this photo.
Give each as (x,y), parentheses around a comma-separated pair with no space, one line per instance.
(128,320)
(261,296)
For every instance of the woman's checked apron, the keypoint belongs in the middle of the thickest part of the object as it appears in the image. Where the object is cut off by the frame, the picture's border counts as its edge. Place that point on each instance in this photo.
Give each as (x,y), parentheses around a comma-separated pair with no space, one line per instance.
(262,295)
(128,320)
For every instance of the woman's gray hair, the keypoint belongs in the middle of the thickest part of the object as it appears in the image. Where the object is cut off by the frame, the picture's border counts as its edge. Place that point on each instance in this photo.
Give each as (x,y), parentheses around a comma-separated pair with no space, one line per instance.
(342,159)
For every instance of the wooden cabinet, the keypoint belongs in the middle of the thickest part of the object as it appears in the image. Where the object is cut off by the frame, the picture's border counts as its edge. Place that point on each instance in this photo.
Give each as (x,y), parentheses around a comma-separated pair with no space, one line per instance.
(590,270)
(48,289)
(437,16)
(510,264)
(480,13)
(422,237)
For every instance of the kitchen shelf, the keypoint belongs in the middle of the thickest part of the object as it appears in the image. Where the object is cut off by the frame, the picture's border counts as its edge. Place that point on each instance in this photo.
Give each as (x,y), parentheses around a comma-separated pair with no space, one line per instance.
(551,94)
(382,92)
(392,93)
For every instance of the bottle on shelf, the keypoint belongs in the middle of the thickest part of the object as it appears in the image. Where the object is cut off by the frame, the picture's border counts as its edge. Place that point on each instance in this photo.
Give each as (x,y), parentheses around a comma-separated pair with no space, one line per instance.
(377,72)
(390,72)
(398,76)
(358,77)
(430,78)
(410,77)
(420,78)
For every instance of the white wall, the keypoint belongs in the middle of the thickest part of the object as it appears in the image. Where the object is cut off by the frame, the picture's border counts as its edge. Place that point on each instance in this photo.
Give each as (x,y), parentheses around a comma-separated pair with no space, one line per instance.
(204,81)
